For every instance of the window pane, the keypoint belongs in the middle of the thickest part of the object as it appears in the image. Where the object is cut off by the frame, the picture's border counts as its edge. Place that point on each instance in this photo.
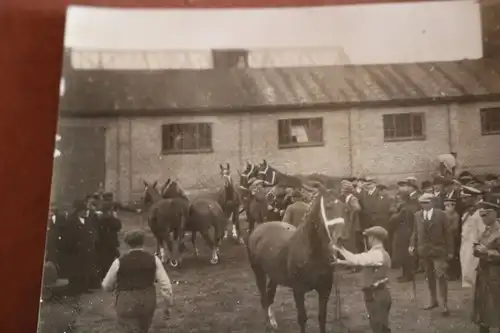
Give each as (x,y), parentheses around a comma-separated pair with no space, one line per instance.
(300,131)
(186,137)
(404,126)
(418,128)
(490,120)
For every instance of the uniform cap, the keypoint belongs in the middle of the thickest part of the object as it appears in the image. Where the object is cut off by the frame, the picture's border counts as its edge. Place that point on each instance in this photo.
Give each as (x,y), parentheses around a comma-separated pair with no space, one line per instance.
(426,197)
(370,180)
(350,179)
(469,191)
(452,200)
(346,185)
(377,231)
(381,187)
(135,238)
(490,202)
(410,181)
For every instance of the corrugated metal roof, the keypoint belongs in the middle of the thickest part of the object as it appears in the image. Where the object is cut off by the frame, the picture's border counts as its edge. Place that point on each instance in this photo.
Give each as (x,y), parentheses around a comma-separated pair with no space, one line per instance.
(218,89)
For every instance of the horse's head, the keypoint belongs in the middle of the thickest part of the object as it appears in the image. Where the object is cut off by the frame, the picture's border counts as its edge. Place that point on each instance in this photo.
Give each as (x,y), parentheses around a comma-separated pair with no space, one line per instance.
(171,189)
(225,172)
(251,170)
(327,214)
(150,193)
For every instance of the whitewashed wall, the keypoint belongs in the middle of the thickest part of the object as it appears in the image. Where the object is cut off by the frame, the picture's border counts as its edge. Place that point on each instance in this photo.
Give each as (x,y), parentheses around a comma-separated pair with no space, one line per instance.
(356,34)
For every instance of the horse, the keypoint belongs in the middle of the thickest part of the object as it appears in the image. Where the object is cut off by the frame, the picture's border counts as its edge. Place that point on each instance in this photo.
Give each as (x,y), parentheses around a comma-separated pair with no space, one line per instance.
(167,217)
(203,215)
(273,177)
(230,201)
(255,201)
(299,258)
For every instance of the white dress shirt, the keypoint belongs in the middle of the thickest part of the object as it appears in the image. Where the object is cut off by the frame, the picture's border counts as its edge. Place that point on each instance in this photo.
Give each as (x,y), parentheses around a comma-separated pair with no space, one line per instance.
(428,214)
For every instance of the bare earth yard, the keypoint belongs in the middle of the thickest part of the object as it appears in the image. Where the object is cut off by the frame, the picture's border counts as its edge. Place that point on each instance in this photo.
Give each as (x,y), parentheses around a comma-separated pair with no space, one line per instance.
(224,298)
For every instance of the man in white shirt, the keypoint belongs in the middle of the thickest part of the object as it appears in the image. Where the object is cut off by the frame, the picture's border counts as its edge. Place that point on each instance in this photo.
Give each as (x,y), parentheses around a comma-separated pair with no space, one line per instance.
(432,239)
(133,275)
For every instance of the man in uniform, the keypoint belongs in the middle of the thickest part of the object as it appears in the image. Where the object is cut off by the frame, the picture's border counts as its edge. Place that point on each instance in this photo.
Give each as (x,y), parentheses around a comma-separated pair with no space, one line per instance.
(438,192)
(433,240)
(294,213)
(375,265)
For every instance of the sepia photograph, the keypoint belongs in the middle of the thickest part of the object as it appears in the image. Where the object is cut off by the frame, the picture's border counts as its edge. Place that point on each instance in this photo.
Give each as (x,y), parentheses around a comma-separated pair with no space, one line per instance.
(295,169)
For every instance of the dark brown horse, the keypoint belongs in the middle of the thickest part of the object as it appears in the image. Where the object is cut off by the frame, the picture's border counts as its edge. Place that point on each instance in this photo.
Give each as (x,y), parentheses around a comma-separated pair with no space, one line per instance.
(167,220)
(255,201)
(273,177)
(230,201)
(205,217)
(298,258)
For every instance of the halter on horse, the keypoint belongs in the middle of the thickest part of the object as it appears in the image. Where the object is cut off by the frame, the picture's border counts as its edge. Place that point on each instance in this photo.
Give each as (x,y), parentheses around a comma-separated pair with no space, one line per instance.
(230,201)
(299,258)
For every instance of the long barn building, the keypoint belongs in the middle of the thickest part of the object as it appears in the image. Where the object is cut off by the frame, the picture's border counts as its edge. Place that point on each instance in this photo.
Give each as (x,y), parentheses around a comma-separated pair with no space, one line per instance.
(389,121)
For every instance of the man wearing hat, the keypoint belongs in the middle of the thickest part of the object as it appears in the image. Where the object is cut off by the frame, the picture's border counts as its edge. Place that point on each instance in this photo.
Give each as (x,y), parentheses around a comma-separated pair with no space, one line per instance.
(375,265)
(472,228)
(376,207)
(404,219)
(427,187)
(133,275)
(80,244)
(294,213)
(491,181)
(432,240)
(486,307)
(438,192)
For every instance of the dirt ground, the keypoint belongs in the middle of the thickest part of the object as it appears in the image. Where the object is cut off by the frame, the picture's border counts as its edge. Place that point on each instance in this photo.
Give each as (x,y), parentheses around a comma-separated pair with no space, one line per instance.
(224,298)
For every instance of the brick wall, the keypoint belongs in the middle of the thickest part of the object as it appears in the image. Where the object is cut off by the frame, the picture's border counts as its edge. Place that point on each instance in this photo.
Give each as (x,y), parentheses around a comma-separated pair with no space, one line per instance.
(133,146)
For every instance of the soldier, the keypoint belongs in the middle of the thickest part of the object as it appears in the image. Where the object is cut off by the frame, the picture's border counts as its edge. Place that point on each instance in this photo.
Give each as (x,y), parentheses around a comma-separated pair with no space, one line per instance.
(134,275)
(486,308)
(438,192)
(294,214)
(404,220)
(472,228)
(375,264)
(432,239)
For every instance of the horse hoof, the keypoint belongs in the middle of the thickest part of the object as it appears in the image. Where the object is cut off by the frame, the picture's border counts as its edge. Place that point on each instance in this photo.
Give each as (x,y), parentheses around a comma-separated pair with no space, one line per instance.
(241,241)
(273,324)
(174,263)
(214,261)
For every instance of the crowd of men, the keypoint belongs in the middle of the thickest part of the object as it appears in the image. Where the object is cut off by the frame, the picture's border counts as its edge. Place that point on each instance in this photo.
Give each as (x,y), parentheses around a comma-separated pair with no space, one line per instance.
(83,242)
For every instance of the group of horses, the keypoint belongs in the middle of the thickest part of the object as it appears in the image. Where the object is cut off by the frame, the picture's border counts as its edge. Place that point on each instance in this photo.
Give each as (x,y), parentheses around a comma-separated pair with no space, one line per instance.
(279,254)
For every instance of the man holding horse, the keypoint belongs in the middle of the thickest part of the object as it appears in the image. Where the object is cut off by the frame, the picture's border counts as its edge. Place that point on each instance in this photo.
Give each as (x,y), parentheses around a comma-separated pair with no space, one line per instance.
(294,214)
(375,265)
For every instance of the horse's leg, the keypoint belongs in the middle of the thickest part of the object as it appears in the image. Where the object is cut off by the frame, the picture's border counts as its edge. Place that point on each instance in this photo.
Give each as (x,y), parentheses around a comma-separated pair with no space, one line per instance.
(168,242)
(261,279)
(193,241)
(226,233)
(323,297)
(206,237)
(299,297)
(271,292)
(236,224)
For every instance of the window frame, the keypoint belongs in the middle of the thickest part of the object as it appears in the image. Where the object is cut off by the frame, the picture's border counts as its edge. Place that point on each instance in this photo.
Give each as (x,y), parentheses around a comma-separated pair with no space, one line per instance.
(228,53)
(412,137)
(183,151)
(288,122)
(482,117)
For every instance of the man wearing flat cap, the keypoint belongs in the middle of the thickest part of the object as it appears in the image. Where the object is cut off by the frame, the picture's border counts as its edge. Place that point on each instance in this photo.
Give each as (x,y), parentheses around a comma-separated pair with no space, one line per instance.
(432,239)
(375,265)
(472,228)
(491,181)
(375,206)
(294,213)
(133,276)
(486,307)
(403,228)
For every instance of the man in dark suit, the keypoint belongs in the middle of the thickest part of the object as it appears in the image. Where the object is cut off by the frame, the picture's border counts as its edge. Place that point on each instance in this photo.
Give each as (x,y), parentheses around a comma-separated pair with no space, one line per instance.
(432,240)
(403,221)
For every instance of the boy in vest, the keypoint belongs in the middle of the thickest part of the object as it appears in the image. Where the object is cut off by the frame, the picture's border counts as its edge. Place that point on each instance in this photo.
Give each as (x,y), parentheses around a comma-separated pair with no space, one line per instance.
(134,275)
(375,265)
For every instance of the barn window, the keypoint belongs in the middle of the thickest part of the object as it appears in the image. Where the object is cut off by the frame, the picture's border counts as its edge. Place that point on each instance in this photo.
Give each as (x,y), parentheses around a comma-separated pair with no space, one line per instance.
(230,58)
(187,138)
(300,132)
(490,121)
(404,126)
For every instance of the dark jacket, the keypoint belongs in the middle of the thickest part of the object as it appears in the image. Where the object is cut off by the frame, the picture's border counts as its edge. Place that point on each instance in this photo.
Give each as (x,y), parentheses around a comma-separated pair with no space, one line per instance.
(433,238)
(403,222)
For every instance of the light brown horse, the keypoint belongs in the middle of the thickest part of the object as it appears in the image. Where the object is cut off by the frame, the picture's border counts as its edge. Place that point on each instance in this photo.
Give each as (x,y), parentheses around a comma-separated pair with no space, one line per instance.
(298,258)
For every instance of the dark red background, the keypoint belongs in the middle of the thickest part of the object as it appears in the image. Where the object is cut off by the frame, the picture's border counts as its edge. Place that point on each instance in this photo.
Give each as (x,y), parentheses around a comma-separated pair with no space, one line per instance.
(31,37)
